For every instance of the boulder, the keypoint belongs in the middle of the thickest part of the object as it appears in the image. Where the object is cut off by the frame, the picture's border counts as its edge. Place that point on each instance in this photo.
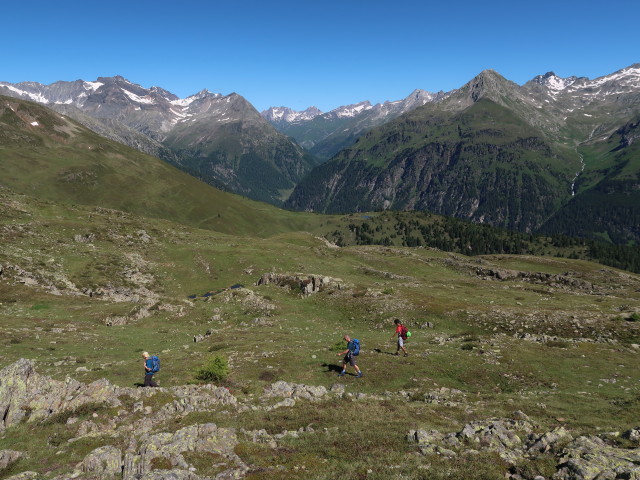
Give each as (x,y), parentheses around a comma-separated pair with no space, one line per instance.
(633,435)
(7,457)
(590,458)
(103,462)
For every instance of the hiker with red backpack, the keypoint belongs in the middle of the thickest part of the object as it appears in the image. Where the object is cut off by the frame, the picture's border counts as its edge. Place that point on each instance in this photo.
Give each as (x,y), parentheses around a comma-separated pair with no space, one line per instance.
(350,354)
(401,331)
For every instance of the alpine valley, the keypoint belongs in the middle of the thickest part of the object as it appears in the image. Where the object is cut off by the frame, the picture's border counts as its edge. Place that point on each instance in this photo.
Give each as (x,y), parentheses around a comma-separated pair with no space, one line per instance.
(553,155)
(524,358)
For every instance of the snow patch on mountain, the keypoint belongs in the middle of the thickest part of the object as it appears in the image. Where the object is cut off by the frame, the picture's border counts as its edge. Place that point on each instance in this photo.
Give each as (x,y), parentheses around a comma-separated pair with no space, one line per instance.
(137,98)
(93,85)
(350,111)
(287,115)
(36,97)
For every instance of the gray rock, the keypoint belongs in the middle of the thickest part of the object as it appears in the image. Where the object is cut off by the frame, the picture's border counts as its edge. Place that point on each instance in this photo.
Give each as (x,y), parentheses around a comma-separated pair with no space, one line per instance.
(297,282)
(24,476)
(171,446)
(293,390)
(590,458)
(26,394)
(103,462)
(632,435)
(7,457)
(550,441)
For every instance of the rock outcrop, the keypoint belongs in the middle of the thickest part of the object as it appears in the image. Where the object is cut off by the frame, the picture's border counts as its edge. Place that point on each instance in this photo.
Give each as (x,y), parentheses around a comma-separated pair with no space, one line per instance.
(300,283)
(591,458)
(515,441)
(25,394)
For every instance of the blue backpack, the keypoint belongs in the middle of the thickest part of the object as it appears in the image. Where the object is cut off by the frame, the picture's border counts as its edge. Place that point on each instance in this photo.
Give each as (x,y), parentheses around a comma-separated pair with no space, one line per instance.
(354,347)
(155,364)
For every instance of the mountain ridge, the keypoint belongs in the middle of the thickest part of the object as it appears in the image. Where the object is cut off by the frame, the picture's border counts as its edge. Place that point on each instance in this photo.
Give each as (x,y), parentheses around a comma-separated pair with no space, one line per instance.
(483,150)
(117,108)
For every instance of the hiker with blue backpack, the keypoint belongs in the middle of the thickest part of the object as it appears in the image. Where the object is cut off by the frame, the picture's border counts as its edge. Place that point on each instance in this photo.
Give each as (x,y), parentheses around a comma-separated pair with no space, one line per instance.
(350,354)
(151,367)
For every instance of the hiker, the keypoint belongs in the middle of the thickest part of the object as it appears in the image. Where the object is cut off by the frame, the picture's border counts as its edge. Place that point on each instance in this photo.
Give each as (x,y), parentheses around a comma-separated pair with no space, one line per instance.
(401,332)
(150,367)
(350,354)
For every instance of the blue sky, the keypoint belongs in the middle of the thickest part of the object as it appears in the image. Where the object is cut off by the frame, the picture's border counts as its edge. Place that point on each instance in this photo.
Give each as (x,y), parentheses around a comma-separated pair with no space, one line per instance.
(325,53)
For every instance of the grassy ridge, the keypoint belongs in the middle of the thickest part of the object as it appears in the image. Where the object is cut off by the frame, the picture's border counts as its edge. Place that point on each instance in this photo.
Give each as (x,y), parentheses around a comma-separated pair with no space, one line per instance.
(60,161)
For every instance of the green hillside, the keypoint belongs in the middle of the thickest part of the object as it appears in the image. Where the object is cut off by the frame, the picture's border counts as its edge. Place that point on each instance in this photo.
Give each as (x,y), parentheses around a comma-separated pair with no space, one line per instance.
(607,202)
(49,156)
(484,164)
(506,349)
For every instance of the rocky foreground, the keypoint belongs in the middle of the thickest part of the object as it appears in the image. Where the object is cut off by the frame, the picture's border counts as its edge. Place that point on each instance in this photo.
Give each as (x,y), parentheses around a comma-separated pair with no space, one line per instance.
(139,441)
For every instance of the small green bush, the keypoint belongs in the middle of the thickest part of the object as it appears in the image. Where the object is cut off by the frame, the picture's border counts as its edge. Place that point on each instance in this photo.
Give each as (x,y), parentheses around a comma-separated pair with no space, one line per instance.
(216,370)
(634,317)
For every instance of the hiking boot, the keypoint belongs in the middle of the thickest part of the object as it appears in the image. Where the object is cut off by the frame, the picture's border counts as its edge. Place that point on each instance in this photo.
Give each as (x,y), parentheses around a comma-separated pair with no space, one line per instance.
(406,354)
(359,374)
(341,374)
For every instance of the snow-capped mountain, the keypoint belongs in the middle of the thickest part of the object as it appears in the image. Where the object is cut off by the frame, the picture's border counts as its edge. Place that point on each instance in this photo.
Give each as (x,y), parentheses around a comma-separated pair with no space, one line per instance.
(285,115)
(118,98)
(324,134)
(207,134)
(557,155)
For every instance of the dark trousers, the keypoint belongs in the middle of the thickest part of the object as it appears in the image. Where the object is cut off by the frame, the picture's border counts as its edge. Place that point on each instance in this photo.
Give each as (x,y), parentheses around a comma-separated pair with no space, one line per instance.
(148,381)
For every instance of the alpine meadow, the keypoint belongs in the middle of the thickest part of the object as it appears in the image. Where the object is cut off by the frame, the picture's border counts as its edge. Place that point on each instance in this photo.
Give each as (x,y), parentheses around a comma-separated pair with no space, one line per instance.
(247,250)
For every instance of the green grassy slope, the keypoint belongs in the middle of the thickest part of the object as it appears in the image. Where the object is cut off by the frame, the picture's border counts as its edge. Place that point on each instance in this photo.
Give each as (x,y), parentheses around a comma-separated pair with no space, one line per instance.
(53,158)
(487,341)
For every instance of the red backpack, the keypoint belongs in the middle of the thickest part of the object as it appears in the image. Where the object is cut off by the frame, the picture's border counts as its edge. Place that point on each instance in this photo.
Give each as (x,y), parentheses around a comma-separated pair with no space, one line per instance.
(403,332)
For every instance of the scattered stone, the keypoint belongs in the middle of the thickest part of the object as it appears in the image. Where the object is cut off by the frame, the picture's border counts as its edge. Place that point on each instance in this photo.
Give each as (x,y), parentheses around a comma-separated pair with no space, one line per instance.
(199,338)
(7,457)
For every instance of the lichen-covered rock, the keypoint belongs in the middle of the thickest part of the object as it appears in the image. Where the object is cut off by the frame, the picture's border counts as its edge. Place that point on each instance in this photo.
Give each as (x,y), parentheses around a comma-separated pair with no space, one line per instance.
(103,462)
(7,457)
(294,390)
(28,475)
(171,475)
(170,448)
(590,458)
(497,435)
(192,398)
(25,393)
(549,441)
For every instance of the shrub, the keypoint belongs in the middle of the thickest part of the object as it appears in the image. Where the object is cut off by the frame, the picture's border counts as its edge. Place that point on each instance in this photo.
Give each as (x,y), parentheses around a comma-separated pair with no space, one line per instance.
(216,370)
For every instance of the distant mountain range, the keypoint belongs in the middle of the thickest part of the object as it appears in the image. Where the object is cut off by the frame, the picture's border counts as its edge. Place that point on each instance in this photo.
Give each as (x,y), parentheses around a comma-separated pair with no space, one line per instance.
(556,154)
(221,139)
(325,134)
